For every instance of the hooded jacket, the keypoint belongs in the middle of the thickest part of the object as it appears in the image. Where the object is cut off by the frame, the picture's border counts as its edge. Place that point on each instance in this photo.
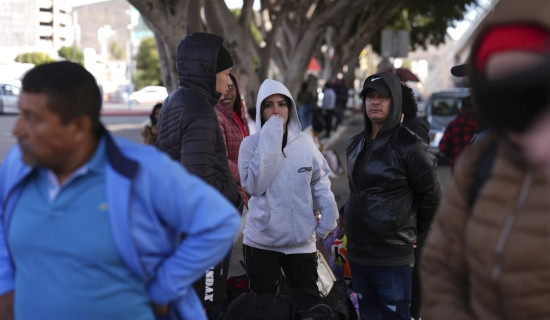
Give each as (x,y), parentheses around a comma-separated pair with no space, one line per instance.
(489,260)
(232,134)
(147,217)
(188,128)
(394,188)
(284,184)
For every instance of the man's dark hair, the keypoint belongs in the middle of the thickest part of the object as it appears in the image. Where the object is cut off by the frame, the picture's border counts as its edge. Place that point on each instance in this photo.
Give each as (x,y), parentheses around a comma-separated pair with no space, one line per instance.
(152,115)
(409,106)
(71,90)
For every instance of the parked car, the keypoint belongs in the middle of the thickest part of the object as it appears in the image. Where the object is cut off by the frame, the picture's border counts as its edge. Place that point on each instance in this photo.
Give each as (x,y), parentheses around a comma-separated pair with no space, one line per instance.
(9,93)
(442,107)
(151,94)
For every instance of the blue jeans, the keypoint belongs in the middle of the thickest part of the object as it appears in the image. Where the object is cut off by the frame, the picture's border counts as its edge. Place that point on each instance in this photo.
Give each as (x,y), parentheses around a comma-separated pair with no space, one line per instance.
(383,292)
(305,113)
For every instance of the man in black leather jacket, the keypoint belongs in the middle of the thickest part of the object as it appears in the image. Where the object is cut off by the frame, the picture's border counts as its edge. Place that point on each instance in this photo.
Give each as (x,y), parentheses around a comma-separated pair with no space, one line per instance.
(394,192)
(189,132)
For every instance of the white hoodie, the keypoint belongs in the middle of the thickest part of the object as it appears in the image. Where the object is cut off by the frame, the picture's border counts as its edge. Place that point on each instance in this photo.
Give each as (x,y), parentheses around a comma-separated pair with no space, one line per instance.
(284,186)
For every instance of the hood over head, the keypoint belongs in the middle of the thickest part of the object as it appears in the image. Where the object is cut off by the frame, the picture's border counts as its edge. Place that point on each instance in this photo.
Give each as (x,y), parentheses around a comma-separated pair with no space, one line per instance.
(197,63)
(270,87)
(393,86)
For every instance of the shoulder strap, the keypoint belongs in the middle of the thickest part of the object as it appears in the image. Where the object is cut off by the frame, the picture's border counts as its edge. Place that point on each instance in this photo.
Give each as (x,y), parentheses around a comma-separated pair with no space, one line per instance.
(483,170)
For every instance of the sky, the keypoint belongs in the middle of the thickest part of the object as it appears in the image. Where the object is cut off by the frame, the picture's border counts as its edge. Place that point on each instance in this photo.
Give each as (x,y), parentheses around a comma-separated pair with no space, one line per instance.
(463,25)
(234,4)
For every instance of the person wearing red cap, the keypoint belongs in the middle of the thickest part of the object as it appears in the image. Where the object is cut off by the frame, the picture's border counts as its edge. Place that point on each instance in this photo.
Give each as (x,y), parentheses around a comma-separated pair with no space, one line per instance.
(486,256)
(189,132)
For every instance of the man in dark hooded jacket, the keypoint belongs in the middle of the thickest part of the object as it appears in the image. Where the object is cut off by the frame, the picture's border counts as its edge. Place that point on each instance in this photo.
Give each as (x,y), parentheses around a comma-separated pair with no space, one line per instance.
(394,192)
(188,131)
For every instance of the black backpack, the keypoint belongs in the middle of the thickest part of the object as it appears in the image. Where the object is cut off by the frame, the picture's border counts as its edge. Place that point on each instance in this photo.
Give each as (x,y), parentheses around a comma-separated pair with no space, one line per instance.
(254,306)
(483,170)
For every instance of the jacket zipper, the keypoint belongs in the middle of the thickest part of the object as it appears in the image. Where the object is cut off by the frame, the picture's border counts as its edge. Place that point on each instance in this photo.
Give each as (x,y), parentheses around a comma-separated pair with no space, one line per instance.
(503,237)
(508,223)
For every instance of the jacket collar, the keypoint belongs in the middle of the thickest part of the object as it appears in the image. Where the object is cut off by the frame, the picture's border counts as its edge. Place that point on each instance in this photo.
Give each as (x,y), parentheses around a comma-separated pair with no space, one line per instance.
(118,161)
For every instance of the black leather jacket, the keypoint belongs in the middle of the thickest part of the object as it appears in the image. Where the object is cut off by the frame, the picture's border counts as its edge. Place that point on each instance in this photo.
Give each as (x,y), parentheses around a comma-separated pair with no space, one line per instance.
(394,190)
(188,128)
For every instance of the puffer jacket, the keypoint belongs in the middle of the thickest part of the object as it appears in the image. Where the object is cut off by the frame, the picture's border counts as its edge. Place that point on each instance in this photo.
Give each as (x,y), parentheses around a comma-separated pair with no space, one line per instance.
(394,192)
(188,127)
(232,134)
(490,261)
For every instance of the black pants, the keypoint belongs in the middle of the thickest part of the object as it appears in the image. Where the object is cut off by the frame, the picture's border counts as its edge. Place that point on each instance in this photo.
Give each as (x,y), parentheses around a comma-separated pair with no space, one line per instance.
(211,288)
(328,121)
(264,269)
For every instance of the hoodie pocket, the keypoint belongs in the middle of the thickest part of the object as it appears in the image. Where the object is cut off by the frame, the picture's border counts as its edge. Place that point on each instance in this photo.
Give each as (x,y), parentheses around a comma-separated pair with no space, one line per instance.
(285,228)
(304,227)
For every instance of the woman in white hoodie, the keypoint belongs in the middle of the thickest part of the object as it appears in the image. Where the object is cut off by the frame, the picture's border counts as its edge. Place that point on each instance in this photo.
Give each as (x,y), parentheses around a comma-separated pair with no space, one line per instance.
(285,174)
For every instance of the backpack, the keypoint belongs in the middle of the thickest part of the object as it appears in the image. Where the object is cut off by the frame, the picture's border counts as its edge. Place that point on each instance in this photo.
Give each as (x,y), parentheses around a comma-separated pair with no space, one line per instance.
(483,170)
(254,306)
(311,306)
(236,287)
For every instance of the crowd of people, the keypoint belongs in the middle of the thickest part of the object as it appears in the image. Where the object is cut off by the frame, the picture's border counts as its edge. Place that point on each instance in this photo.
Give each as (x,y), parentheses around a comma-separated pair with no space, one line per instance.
(98,227)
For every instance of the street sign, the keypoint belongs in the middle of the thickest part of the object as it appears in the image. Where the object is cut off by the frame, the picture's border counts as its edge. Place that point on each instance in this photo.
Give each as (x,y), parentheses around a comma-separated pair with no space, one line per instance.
(395,43)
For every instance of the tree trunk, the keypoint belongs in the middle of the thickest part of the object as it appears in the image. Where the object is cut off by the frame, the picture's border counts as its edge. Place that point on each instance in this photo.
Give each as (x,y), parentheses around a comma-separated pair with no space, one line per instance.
(168,21)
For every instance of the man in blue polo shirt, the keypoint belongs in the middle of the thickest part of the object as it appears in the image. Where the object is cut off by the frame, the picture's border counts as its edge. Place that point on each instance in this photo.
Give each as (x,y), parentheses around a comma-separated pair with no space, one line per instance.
(91,224)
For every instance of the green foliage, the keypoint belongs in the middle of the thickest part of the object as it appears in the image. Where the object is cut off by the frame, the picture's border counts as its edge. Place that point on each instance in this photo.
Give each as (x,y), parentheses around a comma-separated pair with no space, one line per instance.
(407,64)
(36,58)
(256,33)
(427,20)
(147,64)
(71,53)
(116,51)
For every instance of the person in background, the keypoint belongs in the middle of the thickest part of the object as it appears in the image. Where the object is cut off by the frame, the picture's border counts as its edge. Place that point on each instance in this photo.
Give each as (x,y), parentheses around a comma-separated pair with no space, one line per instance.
(188,130)
(460,132)
(394,192)
(107,212)
(486,255)
(341,91)
(306,103)
(328,105)
(234,126)
(420,127)
(149,131)
(411,120)
(284,172)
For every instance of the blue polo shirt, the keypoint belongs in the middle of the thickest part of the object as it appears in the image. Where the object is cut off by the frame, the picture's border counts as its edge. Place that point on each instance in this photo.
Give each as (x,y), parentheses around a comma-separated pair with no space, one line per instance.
(66,263)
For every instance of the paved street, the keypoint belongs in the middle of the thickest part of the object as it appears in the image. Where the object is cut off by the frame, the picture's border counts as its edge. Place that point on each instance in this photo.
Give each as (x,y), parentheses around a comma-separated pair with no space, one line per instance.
(127,122)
